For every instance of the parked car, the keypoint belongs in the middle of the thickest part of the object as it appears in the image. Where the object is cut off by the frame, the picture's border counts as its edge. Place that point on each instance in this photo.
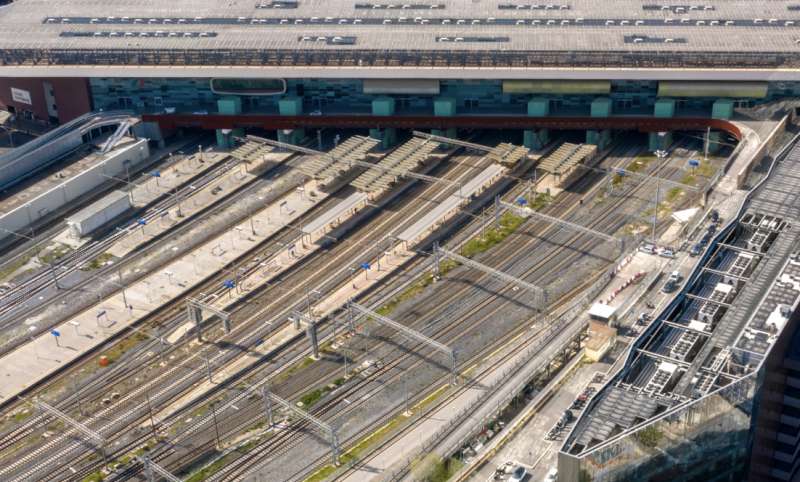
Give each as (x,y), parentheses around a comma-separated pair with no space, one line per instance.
(518,474)
(714,215)
(669,286)
(696,250)
(667,253)
(552,475)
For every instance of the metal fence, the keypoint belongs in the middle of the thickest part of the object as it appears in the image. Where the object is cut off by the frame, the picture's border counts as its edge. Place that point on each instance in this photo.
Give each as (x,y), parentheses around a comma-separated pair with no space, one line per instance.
(399,58)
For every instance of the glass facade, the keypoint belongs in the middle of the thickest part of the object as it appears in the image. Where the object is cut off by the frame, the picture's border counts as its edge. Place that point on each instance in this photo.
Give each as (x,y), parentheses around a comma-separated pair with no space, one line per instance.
(346,96)
(706,440)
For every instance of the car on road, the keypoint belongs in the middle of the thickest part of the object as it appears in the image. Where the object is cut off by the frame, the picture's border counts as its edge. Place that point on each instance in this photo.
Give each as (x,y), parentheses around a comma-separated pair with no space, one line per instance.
(552,475)
(667,253)
(518,475)
(669,286)
(696,250)
(672,282)
(714,215)
(648,248)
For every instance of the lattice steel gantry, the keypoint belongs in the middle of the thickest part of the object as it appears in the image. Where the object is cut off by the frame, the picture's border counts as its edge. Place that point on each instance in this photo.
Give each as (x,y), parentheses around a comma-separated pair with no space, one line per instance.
(539,294)
(411,333)
(194,312)
(528,212)
(83,429)
(327,429)
(311,330)
(152,469)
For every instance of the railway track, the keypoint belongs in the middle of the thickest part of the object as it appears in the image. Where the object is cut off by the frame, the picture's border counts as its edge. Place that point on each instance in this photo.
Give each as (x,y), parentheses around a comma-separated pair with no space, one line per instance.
(259,332)
(488,316)
(618,222)
(13,305)
(33,283)
(295,291)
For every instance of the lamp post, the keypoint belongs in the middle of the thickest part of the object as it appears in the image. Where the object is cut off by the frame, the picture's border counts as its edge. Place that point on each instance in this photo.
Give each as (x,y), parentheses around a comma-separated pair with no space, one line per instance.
(661,155)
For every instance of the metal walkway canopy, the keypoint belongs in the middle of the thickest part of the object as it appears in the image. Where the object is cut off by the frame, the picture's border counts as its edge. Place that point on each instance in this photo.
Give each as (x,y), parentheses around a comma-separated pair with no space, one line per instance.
(539,294)
(368,165)
(411,333)
(527,212)
(504,153)
(453,142)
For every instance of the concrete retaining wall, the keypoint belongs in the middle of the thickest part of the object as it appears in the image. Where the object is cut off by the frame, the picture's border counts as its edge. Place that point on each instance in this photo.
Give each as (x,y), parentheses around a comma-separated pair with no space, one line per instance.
(764,149)
(59,196)
(28,164)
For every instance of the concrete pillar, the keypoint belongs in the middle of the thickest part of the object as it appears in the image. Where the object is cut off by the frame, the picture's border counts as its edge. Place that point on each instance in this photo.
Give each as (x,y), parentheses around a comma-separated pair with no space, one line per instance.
(536,139)
(722,109)
(450,132)
(714,139)
(445,107)
(600,138)
(664,108)
(225,137)
(539,107)
(384,106)
(387,136)
(291,105)
(659,140)
(228,106)
(601,107)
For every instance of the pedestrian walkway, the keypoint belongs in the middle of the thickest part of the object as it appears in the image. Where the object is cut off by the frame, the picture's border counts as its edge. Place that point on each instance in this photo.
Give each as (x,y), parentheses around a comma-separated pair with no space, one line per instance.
(46,354)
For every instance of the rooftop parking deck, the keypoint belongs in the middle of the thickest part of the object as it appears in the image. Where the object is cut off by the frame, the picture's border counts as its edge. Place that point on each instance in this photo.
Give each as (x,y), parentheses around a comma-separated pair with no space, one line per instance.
(448,33)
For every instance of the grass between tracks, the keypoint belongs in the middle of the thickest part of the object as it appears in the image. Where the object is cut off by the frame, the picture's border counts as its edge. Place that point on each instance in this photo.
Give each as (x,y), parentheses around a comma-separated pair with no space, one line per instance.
(220,463)
(115,352)
(361,447)
(17,263)
(98,262)
(52,254)
(508,224)
(98,476)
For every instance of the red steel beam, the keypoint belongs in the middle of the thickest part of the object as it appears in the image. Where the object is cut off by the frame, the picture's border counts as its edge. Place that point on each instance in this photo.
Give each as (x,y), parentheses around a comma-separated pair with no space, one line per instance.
(639,123)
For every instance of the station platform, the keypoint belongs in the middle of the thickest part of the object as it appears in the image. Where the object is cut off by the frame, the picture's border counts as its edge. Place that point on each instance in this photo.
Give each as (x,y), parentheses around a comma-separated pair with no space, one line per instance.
(384,265)
(191,204)
(46,354)
(173,176)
